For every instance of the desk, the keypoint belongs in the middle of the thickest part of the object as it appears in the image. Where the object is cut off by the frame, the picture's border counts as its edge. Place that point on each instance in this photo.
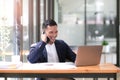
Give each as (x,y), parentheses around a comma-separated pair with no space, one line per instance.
(99,71)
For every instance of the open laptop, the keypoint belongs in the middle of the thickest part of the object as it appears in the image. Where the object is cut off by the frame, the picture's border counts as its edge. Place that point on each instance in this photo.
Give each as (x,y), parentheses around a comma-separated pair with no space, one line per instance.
(88,55)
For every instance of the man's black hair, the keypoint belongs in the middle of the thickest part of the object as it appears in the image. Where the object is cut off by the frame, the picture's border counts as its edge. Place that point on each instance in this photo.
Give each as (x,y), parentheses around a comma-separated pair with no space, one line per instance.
(49,22)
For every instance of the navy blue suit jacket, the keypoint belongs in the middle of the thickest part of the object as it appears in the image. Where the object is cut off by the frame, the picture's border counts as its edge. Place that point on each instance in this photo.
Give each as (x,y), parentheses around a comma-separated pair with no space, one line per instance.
(38,52)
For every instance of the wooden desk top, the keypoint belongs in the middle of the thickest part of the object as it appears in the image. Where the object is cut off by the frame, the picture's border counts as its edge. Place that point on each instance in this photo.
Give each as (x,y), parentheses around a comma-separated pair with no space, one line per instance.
(102,68)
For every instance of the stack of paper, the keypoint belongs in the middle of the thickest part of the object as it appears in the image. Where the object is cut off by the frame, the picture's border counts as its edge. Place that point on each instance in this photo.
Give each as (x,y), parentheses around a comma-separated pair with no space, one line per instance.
(66,65)
(9,65)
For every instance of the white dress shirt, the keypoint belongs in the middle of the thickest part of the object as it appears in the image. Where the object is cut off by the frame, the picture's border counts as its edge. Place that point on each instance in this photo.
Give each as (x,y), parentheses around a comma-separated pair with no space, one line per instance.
(52,53)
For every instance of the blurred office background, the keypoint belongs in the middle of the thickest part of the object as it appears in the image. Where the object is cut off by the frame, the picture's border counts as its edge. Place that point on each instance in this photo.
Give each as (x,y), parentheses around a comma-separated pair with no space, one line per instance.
(80,22)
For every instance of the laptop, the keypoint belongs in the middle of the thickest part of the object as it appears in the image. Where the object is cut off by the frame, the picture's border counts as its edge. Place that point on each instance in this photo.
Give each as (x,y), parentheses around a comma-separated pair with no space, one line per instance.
(88,55)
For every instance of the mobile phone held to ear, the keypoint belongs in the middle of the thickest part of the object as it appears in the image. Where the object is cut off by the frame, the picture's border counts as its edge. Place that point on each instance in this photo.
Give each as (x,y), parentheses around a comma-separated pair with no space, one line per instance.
(47,38)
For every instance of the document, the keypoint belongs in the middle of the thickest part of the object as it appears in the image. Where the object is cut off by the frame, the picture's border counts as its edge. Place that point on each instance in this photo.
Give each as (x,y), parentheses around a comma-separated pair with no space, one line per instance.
(9,65)
(66,65)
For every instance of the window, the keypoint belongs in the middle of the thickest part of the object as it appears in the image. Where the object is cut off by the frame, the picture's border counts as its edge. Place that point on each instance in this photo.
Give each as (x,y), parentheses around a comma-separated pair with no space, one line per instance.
(6,29)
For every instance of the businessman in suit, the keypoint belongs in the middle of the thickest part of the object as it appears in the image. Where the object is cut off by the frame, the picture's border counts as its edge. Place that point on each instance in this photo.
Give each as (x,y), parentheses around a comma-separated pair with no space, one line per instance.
(49,49)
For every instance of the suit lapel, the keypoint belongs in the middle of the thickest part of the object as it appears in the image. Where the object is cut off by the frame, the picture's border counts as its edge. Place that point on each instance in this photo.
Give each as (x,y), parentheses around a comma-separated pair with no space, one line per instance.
(58,51)
(45,54)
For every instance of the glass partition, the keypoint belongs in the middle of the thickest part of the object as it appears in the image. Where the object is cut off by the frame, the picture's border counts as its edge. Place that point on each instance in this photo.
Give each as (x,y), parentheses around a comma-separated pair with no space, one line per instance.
(101,27)
(88,22)
(70,19)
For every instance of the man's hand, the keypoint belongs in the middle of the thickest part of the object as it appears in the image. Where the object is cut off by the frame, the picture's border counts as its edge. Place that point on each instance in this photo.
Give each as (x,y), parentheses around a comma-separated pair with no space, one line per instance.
(44,37)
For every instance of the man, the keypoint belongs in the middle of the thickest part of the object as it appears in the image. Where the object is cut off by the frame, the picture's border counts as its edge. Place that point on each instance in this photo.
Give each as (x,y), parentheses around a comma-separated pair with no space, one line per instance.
(49,49)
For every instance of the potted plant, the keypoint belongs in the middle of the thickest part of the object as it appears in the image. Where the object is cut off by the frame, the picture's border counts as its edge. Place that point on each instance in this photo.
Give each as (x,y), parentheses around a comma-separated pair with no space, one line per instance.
(104,43)
(106,47)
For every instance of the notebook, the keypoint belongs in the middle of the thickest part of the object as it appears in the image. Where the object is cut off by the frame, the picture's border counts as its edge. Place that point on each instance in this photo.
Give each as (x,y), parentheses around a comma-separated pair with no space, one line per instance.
(88,55)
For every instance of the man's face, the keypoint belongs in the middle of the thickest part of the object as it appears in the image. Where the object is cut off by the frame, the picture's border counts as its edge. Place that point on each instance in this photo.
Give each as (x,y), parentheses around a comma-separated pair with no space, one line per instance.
(51,32)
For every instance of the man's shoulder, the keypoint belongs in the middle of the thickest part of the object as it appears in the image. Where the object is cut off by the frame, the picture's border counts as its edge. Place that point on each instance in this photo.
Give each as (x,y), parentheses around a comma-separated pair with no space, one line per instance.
(59,41)
(62,42)
(35,44)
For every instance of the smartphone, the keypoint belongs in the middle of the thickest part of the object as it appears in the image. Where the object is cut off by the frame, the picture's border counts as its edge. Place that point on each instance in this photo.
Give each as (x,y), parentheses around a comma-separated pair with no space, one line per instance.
(47,38)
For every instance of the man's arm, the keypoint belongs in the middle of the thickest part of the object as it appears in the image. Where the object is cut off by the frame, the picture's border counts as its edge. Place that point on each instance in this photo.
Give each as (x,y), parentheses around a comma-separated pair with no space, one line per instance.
(71,55)
(66,51)
(36,52)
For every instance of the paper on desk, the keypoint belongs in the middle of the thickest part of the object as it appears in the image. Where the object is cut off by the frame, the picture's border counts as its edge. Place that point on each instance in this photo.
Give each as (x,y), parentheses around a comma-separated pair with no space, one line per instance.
(9,65)
(66,65)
